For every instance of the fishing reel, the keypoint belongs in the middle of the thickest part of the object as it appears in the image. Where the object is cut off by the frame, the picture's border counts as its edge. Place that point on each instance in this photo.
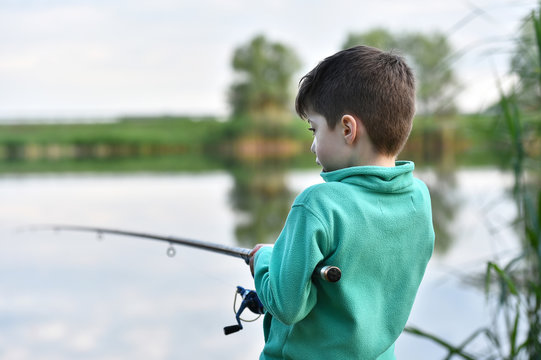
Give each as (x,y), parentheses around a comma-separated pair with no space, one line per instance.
(250,301)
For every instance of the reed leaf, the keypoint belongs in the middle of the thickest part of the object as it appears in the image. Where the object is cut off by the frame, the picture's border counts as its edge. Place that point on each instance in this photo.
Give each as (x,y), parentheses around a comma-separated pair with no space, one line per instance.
(503,275)
(533,239)
(453,350)
(514,332)
(537,30)
(512,117)
(539,210)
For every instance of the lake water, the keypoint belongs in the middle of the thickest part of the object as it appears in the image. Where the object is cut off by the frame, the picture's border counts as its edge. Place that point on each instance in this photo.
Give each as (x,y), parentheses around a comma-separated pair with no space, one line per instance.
(74,296)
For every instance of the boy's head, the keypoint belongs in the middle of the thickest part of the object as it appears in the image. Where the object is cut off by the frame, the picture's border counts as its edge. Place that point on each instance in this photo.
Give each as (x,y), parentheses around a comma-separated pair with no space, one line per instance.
(375,87)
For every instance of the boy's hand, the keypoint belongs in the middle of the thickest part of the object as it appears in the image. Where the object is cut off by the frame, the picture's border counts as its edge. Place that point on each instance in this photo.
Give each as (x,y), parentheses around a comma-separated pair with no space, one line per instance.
(252,255)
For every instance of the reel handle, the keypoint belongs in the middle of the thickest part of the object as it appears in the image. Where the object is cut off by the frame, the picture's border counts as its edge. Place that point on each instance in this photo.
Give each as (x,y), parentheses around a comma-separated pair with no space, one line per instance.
(232,329)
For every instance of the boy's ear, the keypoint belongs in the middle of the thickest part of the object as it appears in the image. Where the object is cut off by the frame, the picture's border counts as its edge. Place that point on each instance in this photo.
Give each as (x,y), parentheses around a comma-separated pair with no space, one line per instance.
(349,128)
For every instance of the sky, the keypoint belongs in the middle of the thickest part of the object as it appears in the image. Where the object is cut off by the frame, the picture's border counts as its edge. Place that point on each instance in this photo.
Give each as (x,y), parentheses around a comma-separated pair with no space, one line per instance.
(101,59)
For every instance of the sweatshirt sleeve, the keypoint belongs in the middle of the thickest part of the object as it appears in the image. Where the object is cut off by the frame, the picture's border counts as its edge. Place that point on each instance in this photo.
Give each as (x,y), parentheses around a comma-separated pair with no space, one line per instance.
(283,274)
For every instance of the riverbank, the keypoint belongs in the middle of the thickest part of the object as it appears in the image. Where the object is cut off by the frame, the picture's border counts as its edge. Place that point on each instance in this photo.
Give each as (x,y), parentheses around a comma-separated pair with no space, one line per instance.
(202,142)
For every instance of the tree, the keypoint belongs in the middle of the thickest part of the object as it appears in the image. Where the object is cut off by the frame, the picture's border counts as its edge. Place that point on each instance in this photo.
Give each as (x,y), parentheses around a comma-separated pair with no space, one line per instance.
(264,71)
(430,57)
(378,37)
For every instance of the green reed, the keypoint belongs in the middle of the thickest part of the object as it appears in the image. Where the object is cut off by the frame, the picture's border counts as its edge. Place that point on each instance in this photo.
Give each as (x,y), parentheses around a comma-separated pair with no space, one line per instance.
(513,286)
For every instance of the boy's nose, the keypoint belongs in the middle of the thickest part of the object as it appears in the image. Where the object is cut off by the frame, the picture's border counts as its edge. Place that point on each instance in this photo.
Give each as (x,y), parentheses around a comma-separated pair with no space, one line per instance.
(313,147)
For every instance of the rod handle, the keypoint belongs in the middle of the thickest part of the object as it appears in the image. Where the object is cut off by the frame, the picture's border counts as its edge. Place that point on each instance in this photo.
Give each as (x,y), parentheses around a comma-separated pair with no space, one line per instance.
(328,273)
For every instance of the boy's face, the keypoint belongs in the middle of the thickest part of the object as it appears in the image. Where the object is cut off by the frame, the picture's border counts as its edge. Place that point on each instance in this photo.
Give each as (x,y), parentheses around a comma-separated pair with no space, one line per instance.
(328,145)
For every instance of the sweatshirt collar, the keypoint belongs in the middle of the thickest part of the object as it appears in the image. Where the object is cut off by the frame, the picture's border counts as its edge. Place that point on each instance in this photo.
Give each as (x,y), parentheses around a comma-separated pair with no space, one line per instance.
(376,178)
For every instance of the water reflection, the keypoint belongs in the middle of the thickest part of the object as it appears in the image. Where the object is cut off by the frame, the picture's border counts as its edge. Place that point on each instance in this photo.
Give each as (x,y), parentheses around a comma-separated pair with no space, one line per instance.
(262,199)
(260,194)
(442,185)
(444,209)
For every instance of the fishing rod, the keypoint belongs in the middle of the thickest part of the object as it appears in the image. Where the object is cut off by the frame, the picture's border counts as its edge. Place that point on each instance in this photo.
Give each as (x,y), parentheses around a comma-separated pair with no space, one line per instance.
(328,273)
(218,248)
(249,297)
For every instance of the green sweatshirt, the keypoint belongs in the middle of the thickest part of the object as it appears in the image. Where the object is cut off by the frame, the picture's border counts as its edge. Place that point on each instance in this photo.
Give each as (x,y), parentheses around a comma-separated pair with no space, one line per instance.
(375,224)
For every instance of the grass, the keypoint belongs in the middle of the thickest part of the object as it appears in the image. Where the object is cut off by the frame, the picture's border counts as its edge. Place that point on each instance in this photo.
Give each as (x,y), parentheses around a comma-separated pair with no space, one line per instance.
(188,131)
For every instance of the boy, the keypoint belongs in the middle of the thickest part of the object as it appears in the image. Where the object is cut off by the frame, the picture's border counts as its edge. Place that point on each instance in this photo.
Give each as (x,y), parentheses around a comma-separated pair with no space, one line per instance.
(371,218)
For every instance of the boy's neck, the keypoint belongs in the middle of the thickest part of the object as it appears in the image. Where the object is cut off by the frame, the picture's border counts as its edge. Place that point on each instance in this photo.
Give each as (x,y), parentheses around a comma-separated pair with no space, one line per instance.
(372,158)
(379,160)
(364,152)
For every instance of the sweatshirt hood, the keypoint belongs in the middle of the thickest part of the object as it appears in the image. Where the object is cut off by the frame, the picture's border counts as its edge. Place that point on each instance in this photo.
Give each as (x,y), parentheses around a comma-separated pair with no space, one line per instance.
(375,178)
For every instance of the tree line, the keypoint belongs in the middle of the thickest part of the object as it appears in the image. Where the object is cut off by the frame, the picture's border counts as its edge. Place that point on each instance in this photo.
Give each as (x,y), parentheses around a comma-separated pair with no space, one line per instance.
(265,70)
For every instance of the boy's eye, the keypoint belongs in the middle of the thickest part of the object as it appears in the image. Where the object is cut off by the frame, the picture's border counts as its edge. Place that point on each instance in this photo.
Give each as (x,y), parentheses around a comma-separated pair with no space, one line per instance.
(312,130)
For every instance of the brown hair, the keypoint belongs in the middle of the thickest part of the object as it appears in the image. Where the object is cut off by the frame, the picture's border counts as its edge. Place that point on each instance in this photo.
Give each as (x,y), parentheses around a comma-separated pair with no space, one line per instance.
(374,86)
